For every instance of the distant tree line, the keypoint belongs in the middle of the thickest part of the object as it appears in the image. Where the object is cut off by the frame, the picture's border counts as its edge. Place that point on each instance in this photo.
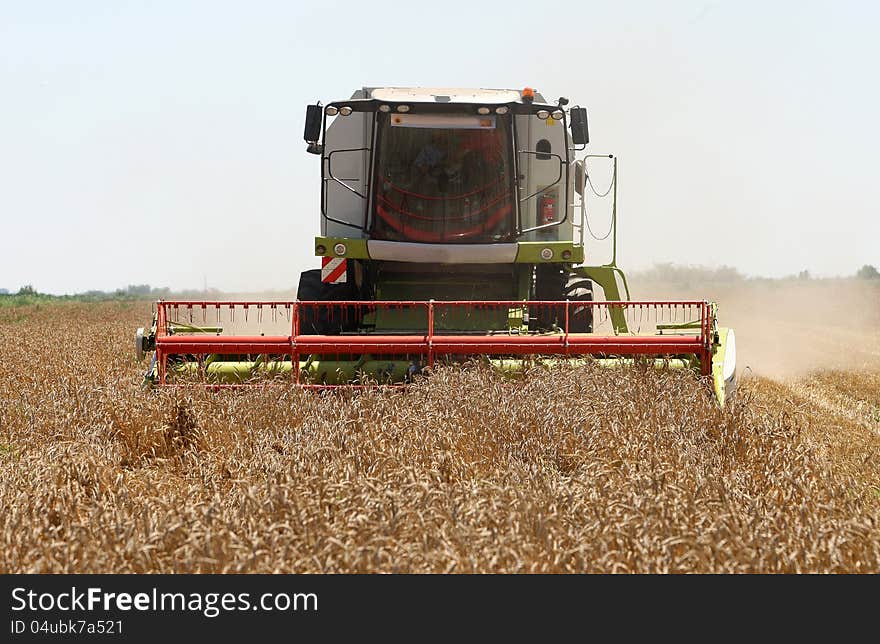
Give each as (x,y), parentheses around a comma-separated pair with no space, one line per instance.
(685,274)
(868,272)
(680,274)
(29,295)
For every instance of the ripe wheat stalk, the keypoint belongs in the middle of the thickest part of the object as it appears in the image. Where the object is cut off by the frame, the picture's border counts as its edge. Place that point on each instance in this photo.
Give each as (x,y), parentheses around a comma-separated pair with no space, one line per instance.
(563,470)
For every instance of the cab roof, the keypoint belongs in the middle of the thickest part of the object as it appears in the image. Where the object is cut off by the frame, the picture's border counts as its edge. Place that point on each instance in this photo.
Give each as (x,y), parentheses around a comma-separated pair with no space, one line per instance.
(446,95)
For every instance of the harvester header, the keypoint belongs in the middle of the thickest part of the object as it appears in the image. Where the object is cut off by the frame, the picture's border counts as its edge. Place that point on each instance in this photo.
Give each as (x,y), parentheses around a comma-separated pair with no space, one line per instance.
(452,227)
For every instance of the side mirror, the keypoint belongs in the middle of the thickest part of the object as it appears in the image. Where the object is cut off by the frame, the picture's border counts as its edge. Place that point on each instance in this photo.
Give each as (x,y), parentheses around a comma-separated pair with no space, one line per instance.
(580,133)
(314,118)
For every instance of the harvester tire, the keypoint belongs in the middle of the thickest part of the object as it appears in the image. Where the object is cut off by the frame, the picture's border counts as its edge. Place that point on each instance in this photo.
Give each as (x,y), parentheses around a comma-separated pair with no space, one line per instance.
(549,287)
(578,289)
(317,321)
(550,280)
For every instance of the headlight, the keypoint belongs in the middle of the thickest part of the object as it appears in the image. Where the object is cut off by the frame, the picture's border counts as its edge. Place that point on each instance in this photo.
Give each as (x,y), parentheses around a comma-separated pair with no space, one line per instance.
(339,249)
(547,254)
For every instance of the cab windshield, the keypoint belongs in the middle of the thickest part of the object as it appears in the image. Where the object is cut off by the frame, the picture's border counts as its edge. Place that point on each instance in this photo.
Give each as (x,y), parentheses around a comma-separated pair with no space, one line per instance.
(443,178)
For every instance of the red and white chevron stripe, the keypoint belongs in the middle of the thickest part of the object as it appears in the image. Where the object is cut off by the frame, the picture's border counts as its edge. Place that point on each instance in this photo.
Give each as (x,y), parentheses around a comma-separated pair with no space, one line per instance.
(333,270)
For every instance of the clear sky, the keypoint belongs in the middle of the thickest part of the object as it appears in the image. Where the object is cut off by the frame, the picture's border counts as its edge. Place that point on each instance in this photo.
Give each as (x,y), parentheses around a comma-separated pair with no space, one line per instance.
(161,142)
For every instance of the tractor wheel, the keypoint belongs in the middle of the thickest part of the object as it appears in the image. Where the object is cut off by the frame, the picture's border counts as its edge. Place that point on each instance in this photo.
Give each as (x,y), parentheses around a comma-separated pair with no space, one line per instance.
(579,289)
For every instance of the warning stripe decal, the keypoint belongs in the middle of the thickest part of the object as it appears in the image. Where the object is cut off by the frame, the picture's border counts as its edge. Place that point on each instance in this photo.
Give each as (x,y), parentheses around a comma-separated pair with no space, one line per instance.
(333,270)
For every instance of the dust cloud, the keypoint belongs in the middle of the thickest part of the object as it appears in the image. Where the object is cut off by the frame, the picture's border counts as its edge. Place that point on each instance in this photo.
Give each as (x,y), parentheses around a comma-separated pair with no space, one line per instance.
(788,328)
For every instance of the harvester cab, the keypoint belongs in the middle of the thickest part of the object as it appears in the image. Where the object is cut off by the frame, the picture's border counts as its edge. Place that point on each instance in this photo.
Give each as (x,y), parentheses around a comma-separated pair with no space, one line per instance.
(452,227)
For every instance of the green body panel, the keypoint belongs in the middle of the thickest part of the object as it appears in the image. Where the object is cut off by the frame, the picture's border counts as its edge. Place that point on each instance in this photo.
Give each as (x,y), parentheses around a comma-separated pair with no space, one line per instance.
(447,319)
(448,286)
(355,248)
(475,283)
(530,252)
(606,277)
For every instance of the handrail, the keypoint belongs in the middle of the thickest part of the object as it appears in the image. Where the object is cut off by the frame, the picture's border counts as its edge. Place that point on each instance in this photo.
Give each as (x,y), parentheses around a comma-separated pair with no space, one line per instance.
(564,200)
(325,161)
(558,177)
(329,158)
(612,230)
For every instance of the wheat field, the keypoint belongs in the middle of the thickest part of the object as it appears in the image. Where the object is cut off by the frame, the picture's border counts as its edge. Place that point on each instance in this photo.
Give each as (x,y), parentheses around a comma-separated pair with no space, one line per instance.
(564,470)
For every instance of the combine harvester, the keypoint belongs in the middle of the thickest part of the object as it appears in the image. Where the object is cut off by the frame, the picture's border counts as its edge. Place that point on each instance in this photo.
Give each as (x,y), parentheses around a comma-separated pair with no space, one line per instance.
(452,227)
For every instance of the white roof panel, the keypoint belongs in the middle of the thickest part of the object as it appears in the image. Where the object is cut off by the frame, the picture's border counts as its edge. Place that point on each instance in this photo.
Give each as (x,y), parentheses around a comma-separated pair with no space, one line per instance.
(445,95)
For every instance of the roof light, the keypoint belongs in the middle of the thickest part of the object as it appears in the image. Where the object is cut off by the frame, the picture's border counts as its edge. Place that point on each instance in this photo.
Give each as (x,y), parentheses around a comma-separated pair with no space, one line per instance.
(385,108)
(528,94)
(483,110)
(330,110)
(403,108)
(503,109)
(557,115)
(345,110)
(542,114)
